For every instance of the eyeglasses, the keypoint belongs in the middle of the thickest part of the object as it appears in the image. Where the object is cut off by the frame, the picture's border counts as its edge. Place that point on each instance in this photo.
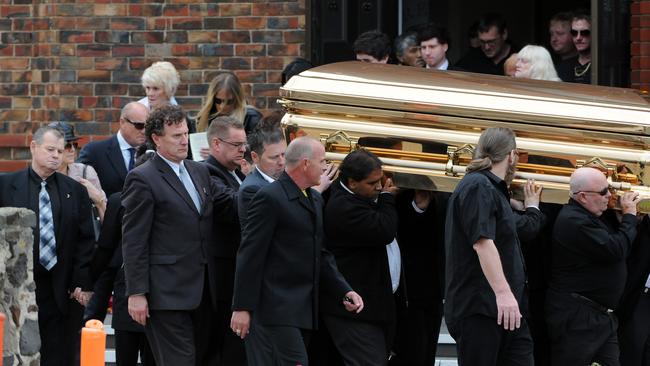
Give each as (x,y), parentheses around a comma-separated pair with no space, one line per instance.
(602,192)
(582,32)
(220,101)
(137,125)
(70,145)
(237,145)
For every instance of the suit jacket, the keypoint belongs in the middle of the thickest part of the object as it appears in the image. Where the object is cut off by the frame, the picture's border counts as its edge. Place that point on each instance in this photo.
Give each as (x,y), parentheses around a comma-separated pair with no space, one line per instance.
(106,157)
(281,259)
(638,267)
(249,187)
(166,243)
(73,230)
(357,231)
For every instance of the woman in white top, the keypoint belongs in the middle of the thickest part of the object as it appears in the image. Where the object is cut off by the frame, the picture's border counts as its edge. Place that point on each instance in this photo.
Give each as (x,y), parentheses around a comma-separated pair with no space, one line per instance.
(534,62)
(82,173)
(160,81)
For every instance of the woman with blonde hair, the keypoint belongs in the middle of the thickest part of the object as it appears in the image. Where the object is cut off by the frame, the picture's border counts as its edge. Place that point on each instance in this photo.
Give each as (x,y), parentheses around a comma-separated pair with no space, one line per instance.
(534,62)
(160,81)
(226,98)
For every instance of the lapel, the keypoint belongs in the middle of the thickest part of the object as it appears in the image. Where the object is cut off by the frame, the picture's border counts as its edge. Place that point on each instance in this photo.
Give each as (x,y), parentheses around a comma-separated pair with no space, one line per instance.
(65,200)
(114,156)
(20,186)
(294,193)
(168,174)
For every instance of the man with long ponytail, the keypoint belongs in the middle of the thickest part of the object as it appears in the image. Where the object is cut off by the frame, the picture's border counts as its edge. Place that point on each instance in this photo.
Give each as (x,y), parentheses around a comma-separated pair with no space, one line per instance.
(485,281)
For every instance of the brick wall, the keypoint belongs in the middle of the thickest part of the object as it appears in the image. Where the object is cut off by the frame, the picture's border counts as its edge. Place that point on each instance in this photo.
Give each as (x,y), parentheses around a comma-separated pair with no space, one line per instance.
(81,61)
(640,36)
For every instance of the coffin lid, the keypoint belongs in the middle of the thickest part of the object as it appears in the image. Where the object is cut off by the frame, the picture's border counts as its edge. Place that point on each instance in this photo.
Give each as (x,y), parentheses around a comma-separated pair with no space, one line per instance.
(463,94)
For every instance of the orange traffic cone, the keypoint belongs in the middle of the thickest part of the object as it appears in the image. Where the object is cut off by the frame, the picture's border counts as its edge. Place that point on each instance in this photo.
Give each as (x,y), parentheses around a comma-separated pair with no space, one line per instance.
(2,330)
(93,343)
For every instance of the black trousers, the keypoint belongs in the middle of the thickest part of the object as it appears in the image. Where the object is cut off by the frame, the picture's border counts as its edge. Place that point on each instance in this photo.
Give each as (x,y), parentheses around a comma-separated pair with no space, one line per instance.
(98,304)
(60,332)
(482,342)
(276,345)
(579,333)
(183,337)
(634,334)
(230,348)
(128,345)
(416,340)
(358,342)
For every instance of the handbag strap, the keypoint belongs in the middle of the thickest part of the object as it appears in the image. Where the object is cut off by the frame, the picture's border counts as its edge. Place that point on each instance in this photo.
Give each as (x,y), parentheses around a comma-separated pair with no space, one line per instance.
(83,173)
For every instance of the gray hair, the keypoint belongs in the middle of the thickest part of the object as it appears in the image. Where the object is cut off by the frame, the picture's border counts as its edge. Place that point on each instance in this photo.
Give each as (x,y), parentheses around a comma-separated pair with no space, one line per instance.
(494,146)
(541,63)
(299,149)
(404,41)
(40,133)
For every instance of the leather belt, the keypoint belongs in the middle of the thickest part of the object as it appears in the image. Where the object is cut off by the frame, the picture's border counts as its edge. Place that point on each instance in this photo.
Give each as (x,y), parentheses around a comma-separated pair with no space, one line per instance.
(591,303)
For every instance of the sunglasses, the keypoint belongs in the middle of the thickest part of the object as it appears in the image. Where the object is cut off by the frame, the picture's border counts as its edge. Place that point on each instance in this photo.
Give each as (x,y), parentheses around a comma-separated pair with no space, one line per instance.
(583,32)
(70,145)
(602,192)
(137,125)
(220,101)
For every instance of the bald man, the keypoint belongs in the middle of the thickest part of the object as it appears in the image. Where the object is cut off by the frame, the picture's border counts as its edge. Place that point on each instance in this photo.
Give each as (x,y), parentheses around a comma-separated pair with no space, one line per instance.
(588,272)
(281,262)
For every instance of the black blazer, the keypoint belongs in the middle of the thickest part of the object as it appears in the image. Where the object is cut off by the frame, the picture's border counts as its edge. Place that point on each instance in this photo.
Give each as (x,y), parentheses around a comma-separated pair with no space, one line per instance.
(74,230)
(106,157)
(281,259)
(166,243)
(638,269)
(249,187)
(357,231)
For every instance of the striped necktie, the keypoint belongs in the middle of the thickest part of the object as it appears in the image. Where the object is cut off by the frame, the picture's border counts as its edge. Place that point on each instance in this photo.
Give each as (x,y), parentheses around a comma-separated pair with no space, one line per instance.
(47,241)
(189,186)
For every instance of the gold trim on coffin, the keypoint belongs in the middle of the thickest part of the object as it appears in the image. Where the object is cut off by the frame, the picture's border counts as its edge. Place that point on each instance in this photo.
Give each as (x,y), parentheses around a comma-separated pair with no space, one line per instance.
(607,128)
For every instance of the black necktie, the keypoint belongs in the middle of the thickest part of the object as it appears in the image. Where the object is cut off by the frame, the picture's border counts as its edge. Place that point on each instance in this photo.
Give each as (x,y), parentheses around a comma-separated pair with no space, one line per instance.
(131,158)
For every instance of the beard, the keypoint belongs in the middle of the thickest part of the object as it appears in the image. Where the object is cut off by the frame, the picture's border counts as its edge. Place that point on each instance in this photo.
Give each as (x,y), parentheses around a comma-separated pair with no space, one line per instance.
(510,174)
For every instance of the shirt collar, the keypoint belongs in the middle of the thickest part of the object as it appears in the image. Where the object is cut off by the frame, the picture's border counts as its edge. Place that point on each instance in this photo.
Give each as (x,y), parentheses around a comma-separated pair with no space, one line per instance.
(266,177)
(346,188)
(122,142)
(175,166)
(498,183)
(37,178)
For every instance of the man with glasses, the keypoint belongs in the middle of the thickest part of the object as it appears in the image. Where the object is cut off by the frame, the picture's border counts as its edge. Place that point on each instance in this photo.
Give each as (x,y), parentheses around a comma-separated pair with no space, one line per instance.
(588,272)
(115,157)
(227,144)
(578,69)
(493,36)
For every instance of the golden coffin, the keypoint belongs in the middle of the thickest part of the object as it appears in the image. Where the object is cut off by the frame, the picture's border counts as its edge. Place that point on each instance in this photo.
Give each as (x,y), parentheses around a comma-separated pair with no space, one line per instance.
(424,124)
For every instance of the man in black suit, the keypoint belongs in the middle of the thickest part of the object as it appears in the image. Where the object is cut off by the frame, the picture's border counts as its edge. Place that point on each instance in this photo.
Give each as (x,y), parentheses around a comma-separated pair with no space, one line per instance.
(280,263)
(360,225)
(114,157)
(62,244)
(267,151)
(227,141)
(168,230)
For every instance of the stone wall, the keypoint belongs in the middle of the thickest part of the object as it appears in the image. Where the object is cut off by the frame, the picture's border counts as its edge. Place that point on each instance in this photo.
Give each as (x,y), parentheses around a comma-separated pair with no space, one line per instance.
(80,61)
(17,288)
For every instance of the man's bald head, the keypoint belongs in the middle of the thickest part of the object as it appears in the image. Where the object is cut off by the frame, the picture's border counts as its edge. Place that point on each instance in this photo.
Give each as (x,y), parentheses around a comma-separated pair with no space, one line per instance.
(305,161)
(589,187)
(132,121)
(299,149)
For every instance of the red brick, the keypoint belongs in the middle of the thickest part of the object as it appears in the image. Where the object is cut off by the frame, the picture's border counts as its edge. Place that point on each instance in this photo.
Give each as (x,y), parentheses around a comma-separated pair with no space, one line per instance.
(13,140)
(250,22)
(644,35)
(234,36)
(250,50)
(158,23)
(127,23)
(644,20)
(274,76)
(147,37)
(149,10)
(11,11)
(176,10)
(251,76)
(93,50)
(294,36)
(99,23)
(268,63)
(94,75)
(21,76)
(268,9)
(76,37)
(13,165)
(644,7)
(130,50)
(204,63)
(204,10)
(6,50)
(23,50)
(187,23)
(218,23)
(64,23)
(75,89)
(230,10)
(180,63)
(14,63)
(110,63)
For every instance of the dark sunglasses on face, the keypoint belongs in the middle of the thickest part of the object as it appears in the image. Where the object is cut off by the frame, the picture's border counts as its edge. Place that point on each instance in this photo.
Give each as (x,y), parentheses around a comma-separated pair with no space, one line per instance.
(219,101)
(602,192)
(137,125)
(70,145)
(583,32)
